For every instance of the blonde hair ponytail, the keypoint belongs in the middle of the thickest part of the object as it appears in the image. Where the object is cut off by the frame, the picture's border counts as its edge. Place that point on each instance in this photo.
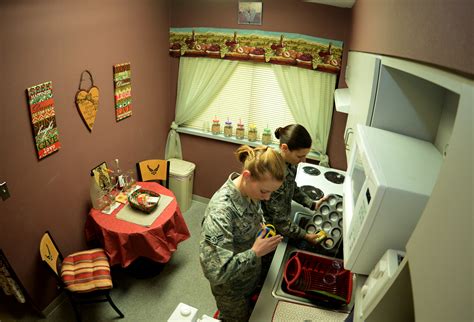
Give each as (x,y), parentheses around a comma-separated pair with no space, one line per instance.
(260,161)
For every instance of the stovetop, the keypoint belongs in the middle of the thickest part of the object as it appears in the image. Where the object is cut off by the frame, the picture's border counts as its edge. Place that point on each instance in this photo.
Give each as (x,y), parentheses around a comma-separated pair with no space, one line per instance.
(326,180)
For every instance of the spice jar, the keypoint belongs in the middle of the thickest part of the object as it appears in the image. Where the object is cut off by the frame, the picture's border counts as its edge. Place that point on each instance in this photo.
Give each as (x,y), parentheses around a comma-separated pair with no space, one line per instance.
(228,128)
(267,136)
(240,131)
(252,134)
(216,126)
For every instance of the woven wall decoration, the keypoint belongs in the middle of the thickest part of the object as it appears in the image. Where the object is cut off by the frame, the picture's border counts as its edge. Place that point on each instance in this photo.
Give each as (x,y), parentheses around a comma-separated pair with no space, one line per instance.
(43,118)
(87,101)
(122,91)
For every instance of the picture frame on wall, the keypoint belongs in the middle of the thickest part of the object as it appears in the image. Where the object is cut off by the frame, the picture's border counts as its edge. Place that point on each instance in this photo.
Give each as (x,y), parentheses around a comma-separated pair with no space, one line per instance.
(101,176)
(250,13)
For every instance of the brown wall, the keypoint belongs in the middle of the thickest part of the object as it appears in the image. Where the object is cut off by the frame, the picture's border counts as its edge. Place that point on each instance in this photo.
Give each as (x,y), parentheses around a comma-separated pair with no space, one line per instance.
(55,41)
(438,32)
(214,160)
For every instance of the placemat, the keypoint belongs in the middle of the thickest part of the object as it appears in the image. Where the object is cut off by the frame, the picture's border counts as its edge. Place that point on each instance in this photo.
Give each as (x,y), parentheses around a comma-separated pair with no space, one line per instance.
(129,214)
(286,311)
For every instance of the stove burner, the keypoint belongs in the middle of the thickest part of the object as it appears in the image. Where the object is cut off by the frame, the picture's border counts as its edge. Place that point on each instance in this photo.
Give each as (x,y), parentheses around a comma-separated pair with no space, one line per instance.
(334,177)
(313,192)
(311,171)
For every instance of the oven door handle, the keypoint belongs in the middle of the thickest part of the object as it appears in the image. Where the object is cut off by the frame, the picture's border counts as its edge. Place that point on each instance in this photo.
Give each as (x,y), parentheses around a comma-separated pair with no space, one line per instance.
(349,131)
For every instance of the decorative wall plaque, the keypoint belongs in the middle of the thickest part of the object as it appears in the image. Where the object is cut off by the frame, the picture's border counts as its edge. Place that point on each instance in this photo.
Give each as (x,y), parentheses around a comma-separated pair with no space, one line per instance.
(87,101)
(41,103)
(122,91)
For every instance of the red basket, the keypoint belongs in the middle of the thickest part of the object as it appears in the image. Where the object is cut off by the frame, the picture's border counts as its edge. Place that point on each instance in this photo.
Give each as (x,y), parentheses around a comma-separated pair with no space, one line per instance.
(316,277)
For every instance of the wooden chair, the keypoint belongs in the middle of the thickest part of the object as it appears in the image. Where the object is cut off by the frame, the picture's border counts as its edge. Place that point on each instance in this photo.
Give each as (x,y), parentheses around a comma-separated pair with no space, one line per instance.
(85,275)
(154,170)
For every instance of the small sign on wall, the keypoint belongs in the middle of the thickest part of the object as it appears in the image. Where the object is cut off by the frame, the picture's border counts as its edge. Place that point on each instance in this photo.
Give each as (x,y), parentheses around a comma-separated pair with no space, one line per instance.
(43,118)
(122,91)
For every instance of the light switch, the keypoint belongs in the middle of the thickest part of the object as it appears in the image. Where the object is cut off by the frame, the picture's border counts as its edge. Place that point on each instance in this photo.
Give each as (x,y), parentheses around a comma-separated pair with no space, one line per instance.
(4,193)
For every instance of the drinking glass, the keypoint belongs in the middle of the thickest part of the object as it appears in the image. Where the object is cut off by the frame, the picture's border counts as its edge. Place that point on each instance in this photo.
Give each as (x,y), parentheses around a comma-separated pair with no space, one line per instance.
(109,196)
(130,181)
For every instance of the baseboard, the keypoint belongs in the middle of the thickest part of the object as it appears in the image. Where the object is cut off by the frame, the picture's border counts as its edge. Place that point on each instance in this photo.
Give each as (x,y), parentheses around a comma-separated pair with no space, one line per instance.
(54,304)
(201,199)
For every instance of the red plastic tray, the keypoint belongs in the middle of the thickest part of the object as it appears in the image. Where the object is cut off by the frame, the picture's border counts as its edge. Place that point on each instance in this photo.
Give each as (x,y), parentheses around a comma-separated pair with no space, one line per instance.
(316,277)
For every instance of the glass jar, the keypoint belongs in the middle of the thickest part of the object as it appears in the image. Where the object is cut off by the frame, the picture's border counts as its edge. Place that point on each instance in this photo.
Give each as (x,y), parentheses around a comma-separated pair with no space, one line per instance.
(216,127)
(267,136)
(252,134)
(240,131)
(228,129)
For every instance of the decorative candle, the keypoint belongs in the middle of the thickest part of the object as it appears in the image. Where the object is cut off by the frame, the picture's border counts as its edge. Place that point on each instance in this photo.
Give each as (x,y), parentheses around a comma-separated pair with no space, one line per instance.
(228,128)
(267,136)
(216,126)
(252,134)
(240,131)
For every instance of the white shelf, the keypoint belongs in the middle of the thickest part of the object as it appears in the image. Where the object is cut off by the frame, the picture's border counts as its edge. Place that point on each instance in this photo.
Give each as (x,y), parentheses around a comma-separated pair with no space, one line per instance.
(312,155)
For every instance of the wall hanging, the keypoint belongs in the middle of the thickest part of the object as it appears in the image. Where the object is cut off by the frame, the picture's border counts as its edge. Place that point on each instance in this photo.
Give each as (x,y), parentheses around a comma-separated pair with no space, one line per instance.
(87,101)
(299,50)
(122,91)
(250,13)
(41,102)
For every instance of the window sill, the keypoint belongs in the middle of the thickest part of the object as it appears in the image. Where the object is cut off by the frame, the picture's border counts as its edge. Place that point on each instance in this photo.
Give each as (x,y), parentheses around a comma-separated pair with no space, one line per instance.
(312,155)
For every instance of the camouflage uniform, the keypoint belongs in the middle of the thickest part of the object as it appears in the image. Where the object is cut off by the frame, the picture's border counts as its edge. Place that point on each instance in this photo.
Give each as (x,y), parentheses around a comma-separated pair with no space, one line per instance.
(229,229)
(277,210)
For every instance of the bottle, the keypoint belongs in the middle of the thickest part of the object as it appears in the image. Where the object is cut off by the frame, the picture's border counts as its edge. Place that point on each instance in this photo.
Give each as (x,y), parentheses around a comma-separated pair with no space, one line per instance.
(240,131)
(119,175)
(228,128)
(216,126)
(267,136)
(95,193)
(252,133)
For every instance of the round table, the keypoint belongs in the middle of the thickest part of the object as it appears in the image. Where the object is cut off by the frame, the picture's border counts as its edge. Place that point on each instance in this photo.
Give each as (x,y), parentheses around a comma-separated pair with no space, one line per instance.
(124,241)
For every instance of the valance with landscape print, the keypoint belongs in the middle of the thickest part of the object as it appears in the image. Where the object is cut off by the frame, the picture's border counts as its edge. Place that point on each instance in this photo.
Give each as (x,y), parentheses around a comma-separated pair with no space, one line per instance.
(299,50)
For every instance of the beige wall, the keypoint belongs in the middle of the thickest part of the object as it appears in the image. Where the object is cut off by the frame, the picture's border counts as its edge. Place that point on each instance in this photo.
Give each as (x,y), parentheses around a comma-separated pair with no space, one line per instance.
(214,160)
(55,41)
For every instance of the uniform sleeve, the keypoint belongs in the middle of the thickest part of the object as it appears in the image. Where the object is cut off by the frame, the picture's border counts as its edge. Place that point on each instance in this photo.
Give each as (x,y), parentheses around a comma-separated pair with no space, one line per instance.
(302,198)
(276,212)
(218,261)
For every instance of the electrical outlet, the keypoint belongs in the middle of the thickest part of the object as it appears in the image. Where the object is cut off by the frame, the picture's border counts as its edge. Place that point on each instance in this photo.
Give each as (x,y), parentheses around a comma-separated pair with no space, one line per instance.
(4,193)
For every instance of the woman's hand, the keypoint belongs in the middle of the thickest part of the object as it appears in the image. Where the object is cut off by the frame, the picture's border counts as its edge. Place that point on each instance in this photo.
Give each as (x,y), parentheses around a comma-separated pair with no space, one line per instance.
(263,246)
(318,203)
(313,239)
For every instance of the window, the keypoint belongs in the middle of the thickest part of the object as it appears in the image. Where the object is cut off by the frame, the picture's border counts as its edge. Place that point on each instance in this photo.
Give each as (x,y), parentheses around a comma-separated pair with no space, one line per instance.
(251,96)
(266,95)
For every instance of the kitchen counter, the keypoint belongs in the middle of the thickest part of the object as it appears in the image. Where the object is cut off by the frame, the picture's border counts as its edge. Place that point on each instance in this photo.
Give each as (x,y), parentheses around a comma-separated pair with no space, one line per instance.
(265,308)
(266,304)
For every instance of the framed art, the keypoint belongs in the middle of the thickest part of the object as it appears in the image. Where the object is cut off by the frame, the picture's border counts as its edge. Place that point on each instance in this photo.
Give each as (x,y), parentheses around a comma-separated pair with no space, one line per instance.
(101,175)
(250,13)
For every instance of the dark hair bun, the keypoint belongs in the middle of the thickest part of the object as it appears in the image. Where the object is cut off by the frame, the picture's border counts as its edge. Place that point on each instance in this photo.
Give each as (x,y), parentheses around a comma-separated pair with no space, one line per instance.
(277,133)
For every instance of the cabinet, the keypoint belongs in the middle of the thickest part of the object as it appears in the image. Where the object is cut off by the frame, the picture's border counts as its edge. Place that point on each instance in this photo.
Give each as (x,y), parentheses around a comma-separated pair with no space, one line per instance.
(362,72)
(435,281)
(402,97)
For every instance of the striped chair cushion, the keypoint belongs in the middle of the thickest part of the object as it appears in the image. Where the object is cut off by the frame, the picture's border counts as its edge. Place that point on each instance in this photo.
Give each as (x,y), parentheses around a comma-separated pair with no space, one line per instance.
(86,271)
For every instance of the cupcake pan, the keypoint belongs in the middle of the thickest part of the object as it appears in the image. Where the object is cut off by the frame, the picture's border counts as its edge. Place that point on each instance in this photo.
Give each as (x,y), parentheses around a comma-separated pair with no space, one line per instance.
(328,218)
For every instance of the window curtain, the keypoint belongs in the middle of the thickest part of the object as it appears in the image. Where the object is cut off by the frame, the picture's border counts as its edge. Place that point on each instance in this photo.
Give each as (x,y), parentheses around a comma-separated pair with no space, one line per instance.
(199,81)
(309,95)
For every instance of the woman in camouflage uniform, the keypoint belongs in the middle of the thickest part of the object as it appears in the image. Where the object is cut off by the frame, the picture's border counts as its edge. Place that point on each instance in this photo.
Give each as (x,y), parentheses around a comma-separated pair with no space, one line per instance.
(295,144)
(230,252)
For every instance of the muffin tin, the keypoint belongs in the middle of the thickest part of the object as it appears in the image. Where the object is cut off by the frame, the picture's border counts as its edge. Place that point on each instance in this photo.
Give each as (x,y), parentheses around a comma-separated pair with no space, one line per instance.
(328,217)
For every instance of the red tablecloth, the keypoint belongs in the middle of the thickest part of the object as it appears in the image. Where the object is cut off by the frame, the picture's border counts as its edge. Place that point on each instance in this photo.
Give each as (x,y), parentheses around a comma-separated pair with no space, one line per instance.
(125,241)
